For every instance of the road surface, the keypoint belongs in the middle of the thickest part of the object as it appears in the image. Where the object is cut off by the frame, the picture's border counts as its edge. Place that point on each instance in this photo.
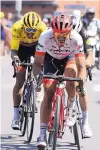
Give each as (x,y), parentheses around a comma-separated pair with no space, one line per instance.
(10,139)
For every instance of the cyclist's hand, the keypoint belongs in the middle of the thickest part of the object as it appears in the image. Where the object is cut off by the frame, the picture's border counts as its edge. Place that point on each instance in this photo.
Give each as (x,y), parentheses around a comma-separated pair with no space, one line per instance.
(16,61)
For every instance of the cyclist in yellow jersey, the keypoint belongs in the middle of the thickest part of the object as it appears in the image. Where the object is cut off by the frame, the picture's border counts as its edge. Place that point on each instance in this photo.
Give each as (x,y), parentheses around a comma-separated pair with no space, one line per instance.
(25,35)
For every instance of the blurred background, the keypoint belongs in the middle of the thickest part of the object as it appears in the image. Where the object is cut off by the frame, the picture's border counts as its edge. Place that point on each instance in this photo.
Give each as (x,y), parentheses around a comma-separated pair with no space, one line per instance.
(46,8)
(11,11)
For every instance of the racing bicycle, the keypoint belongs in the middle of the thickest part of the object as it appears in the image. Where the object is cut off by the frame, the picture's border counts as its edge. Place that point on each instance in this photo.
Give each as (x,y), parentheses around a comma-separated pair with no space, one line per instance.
(58,116)
(28,101)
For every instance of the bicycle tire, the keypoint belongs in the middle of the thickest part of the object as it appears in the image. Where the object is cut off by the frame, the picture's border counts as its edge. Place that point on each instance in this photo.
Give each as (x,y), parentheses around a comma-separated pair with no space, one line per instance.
(79,113)
(23,118)
(32,94)
(56,123)
(50,139)
(76,135)
(23,123)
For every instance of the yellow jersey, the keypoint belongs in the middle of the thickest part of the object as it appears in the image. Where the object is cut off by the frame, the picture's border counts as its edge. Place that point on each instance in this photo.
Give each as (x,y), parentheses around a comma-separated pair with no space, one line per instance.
(19,36)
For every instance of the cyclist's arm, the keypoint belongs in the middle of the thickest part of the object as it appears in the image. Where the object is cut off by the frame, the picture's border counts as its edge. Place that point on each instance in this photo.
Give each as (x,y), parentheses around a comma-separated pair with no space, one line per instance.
(80,59)
(39,57)
(87,48)
(89,57)
(80,63)
(15,43)
(14,54)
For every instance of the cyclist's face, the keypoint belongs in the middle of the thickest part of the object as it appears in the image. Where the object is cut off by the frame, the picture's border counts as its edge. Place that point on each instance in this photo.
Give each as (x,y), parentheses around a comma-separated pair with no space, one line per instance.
(61,38)
(90,16)
(29,32)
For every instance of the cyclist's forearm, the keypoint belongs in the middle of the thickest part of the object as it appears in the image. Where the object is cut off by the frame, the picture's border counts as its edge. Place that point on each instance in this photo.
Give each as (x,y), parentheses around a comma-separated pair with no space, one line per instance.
(14,54)
(82,73)
(89,59)
(36,69)
(81,68)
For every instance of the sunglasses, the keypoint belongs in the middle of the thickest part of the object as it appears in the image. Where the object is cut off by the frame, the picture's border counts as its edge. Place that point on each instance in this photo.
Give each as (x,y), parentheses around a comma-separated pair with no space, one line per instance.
(30,30)
(61,34)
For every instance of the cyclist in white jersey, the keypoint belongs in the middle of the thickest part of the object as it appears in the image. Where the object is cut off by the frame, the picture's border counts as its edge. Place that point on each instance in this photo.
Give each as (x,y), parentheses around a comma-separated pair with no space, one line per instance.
(91,24)
(59,48)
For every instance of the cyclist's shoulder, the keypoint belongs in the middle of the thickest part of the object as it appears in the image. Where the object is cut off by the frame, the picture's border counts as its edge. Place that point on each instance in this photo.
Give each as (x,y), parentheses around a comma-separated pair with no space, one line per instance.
(42,26)
(75,35)
(18,25)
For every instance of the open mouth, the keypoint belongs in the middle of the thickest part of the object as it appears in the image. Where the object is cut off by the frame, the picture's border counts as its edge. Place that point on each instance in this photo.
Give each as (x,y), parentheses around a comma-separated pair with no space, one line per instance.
(61,39)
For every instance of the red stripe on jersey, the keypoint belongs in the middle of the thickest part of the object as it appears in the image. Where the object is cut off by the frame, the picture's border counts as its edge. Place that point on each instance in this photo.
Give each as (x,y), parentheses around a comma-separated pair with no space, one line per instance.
(39,53)
(79,55)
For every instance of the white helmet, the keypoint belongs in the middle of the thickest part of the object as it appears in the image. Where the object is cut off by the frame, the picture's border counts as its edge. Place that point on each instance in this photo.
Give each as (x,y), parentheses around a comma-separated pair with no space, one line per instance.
(90,10)
(77,24)
(45,20)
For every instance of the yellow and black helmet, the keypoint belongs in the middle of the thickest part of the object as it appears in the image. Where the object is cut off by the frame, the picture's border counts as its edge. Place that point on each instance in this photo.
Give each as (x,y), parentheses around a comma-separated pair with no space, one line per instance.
(31,20)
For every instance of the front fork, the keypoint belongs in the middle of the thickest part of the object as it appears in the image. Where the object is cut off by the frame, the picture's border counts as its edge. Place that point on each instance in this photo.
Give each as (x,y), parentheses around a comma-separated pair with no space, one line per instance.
(59,92)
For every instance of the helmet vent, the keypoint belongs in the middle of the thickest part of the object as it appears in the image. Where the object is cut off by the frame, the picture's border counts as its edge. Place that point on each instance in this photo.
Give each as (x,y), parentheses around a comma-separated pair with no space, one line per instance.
(25,22)
(66,25)
(28,20)
(61,25)
(32,19)
(56,25)
(37,20)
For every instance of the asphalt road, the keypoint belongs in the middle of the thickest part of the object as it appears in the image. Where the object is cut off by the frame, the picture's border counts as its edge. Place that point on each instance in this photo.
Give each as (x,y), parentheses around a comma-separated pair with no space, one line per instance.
(10,139)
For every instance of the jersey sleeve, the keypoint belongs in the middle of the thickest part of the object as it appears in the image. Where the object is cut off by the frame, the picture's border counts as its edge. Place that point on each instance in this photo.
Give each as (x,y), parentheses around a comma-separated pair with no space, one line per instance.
(15,38)
(79,52)
(98,26)
(40,49)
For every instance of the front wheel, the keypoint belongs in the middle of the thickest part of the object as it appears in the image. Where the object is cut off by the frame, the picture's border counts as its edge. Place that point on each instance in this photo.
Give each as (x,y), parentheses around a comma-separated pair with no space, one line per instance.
(56,123)
(22,112)
(76,135)
(31,107)
(22,120)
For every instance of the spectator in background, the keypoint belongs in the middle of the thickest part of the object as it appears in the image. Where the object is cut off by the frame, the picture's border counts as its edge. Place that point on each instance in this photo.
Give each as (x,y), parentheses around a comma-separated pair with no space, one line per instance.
(3,34)
(8,31)
(9,20)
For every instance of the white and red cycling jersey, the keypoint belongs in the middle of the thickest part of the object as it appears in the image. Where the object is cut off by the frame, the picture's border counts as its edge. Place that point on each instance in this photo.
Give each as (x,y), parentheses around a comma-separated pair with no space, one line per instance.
(73,45)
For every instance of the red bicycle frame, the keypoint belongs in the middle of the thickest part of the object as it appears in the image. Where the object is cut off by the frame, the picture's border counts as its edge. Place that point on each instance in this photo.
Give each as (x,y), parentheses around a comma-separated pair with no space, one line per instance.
(62,118)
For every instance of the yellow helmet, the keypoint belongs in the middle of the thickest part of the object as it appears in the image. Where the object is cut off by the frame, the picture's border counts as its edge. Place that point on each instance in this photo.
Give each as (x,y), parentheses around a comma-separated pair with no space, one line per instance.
(2,15)
(31,20)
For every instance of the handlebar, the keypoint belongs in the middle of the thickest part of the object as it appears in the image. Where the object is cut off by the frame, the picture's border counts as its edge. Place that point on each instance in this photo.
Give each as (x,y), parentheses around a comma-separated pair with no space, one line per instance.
(24,64)
(61,78)
(20,64)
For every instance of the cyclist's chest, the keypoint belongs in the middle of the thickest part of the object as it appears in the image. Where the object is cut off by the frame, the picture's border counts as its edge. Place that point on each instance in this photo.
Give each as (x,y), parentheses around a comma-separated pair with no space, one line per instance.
(52,47)
(92,26)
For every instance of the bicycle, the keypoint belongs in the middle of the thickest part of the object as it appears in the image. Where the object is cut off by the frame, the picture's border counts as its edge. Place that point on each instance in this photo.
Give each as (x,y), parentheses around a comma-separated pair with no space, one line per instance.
(58,116)
(28,101)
